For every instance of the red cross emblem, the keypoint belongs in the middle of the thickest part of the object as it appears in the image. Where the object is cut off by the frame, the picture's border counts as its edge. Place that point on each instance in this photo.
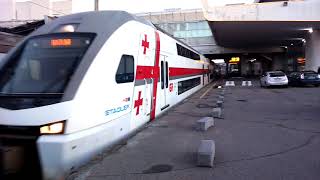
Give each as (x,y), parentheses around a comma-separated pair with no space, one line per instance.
(145,44)
(138,103)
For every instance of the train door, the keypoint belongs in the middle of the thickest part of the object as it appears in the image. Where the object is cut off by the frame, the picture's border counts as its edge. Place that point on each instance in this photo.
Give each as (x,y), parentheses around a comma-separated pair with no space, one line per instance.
(164,82)
(142,98)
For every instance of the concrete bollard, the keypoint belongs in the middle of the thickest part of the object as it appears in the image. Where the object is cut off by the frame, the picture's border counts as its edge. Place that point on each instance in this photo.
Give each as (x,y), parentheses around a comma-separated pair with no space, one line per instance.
(220,104)
(206,153)
(205,123)
(216,112)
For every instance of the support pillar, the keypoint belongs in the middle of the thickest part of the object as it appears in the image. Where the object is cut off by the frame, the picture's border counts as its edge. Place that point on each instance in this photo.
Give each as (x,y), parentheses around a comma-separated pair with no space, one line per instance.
(278,62)
(244,66)
(313,51)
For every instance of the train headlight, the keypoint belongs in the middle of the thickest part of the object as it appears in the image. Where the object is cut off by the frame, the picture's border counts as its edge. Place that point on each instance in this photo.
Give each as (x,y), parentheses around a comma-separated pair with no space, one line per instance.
(54,128)
(67,28)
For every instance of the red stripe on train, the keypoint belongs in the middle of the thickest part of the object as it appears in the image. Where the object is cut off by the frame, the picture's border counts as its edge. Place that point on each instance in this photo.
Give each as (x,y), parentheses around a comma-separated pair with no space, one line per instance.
(173,71)
(147,72)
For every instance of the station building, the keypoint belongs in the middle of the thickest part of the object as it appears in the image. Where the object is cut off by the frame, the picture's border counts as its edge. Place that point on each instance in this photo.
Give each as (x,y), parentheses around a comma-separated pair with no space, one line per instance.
(14,13)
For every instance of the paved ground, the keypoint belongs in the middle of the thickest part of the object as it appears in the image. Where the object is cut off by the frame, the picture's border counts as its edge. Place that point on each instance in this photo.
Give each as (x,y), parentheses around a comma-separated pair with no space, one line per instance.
(265,134)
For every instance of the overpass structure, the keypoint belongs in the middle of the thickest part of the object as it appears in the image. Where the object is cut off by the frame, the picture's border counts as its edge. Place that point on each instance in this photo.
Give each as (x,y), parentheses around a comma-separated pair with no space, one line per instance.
(7,41)
(290,25)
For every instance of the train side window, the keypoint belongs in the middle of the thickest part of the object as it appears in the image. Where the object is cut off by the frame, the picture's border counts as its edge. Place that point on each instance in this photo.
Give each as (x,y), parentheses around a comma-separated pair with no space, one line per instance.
(125,72)
(186,85)
(182,51)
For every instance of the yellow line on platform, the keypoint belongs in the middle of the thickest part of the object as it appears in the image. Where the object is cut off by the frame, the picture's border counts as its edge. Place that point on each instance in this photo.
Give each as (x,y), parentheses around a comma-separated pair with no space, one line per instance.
(205,93)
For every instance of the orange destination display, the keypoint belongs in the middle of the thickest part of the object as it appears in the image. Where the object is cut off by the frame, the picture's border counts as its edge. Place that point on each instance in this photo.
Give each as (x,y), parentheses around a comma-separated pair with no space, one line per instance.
(61,42)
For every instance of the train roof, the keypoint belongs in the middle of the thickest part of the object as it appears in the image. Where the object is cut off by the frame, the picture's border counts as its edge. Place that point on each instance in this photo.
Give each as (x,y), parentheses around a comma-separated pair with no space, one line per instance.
(103,23)
(93,21)
(100,22)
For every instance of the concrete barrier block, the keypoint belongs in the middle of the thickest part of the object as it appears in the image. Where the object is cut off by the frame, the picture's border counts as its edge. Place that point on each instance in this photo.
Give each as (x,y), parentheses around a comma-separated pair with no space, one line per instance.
(220,103)
(216,112)
(205,123)
(206,153)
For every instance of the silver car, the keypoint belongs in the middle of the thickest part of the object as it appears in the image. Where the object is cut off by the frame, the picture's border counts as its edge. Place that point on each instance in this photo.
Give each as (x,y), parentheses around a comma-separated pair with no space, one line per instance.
(274,78)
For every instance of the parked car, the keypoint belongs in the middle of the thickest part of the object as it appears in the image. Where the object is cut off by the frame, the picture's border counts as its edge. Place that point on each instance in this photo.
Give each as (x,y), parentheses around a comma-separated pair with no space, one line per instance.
(304,78)
(274,78)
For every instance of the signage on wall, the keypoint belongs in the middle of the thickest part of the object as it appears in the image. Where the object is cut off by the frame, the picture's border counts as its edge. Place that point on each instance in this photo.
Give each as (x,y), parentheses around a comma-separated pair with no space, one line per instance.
(234,60)
(301,60)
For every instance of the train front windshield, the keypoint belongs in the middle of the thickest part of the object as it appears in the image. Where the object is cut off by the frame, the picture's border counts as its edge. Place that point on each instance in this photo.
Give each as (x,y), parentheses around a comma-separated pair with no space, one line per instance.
(44,65)
(40,70)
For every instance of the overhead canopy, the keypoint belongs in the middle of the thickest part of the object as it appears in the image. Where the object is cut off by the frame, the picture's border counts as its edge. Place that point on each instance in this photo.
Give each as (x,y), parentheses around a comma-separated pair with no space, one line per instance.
(9,37)
(261,33)
(283,23)
(23,29)
(7,41)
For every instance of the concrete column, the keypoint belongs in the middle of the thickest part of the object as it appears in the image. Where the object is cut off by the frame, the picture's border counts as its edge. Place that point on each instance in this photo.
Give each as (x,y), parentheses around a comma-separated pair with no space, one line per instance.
(313,51)
(278,62)
(244,66)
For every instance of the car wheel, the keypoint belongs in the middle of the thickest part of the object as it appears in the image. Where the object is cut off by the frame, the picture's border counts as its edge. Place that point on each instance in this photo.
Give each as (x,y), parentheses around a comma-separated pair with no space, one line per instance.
(317,85)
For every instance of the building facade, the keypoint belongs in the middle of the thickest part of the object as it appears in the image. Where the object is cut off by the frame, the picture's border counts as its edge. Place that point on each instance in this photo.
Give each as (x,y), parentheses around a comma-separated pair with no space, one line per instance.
(14,13)
(7,10)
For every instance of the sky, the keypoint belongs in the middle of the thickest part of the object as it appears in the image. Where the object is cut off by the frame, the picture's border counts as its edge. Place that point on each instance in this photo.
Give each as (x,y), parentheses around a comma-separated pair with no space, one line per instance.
(138,6)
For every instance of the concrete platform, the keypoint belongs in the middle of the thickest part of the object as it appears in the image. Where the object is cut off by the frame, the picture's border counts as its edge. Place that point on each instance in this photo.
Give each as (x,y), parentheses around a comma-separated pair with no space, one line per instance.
(276,138)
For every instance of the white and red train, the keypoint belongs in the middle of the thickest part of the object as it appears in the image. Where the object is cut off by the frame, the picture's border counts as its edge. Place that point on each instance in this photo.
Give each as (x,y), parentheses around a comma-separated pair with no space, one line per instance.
(83,82)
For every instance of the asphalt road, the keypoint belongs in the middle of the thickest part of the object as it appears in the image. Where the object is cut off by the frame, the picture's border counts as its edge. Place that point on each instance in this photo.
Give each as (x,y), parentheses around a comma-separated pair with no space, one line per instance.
(265,134)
